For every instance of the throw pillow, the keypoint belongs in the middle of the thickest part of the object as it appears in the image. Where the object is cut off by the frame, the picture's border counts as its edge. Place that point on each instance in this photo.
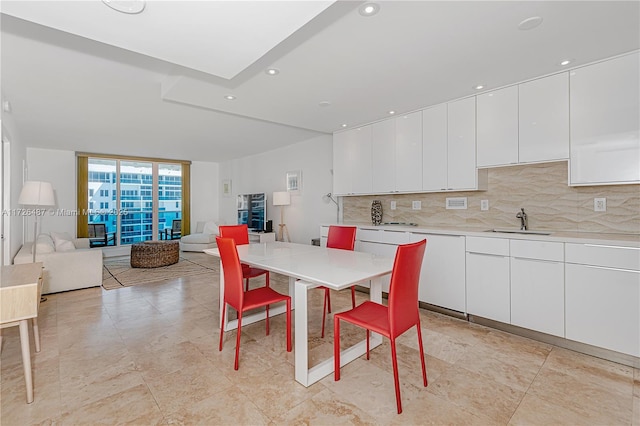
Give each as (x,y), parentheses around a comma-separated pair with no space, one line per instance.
(63,241)
(210,228)
(44,244)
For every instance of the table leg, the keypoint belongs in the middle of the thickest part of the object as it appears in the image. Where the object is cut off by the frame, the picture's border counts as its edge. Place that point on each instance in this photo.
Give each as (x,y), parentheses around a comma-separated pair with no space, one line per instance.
(301,349)
(36,333)
(26,358)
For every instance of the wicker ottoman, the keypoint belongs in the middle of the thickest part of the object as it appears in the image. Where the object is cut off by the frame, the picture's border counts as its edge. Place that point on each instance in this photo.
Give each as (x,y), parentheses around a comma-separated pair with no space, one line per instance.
(153,254)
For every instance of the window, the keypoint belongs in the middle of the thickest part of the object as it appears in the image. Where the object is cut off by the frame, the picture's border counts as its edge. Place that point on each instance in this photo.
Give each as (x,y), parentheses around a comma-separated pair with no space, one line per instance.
(145,208)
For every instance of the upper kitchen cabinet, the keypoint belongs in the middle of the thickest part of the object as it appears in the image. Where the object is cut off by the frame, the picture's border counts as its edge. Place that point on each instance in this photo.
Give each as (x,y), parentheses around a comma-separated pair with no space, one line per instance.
(397,154)
(605,122)
(544,119)
(434,148)
(409,152)
(462,173)
(352,161)
(497,130)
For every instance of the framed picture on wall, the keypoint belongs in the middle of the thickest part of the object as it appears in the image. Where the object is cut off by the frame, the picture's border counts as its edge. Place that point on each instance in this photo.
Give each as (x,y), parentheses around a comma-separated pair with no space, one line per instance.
(294,181)
(226,188)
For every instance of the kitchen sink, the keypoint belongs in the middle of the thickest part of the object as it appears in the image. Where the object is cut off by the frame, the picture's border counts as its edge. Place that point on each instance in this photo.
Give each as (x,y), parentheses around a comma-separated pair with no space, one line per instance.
(519,231)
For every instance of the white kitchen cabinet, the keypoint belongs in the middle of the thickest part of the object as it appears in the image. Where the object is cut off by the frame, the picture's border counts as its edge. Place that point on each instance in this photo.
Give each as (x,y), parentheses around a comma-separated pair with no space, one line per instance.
(434,148)
(497,127)
(537,286)
(462,173)
(544,119)
(352,167)
(409,152)
(488,280)
(442,279)
(383,137)
(381,242)
(605,122)
(603,296)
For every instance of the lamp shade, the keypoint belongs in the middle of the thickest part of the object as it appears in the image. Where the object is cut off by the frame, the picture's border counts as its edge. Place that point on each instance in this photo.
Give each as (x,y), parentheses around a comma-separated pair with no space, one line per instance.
(36,193)
(281,198)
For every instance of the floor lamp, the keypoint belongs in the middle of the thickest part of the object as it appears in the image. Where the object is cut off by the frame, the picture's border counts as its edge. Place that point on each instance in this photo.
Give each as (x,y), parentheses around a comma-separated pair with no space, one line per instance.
(36,194)
(282,199)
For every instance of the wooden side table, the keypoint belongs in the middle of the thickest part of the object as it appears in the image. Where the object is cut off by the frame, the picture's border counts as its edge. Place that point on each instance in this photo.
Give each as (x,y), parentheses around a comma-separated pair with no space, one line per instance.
(20,289)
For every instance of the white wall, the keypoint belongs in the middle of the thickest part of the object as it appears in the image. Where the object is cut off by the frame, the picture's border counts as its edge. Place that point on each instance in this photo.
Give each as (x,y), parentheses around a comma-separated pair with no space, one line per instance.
(59,168)
(267,173)
(17,162)
(205,190)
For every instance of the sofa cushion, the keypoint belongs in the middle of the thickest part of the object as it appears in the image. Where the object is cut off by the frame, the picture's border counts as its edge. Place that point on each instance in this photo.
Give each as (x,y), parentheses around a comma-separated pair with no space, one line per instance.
(62,241)
(44,244)
(199,239)
(211,228)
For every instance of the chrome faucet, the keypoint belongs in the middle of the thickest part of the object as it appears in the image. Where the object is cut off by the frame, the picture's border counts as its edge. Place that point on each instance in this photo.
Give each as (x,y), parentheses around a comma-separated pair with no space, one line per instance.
(523,219)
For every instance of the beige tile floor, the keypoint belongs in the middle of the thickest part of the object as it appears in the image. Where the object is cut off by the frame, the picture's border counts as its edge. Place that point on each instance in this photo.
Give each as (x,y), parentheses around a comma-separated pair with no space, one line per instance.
(148,355)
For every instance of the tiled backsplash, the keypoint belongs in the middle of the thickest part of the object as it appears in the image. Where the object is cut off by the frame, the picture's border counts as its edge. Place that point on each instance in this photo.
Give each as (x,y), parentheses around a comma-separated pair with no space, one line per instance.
(541,189)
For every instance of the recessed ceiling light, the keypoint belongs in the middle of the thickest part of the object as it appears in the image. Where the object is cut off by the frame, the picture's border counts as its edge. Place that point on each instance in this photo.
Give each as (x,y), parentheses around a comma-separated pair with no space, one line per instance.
(392,112)
(272,71)
(478,87)
(369,9)
(229,97)
(126,6)
(344,125)
(565,62)
(324,103)
(530,23)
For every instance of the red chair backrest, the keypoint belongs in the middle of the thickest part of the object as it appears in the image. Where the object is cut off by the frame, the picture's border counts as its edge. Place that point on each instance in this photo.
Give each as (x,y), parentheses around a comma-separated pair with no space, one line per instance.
(403,289)
(239,233)
(233,292)
(341,237)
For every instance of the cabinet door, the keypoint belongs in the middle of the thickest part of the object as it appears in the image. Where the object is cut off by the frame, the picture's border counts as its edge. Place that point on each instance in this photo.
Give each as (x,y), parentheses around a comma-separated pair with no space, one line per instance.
(461,152)
(603,307)
(386,250)
(383,136)
(544,119)
(497,132)
(442,280)
(409,152)
(605,122)
(537,295)
(341,162)
(488,286)
(361,167)
(434,148)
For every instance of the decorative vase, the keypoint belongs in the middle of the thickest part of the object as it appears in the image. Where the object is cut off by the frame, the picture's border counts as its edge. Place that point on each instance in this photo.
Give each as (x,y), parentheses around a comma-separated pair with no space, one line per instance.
(376,212)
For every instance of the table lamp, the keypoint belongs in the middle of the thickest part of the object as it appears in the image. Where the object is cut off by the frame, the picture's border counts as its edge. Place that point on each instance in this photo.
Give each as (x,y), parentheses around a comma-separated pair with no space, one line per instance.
(282,199)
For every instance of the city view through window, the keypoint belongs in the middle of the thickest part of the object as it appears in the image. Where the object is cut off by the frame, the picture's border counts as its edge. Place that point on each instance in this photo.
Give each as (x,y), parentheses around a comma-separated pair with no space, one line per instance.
(121,194)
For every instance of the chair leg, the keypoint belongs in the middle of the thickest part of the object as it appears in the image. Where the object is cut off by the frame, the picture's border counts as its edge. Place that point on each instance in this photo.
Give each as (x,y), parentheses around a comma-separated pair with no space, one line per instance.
(235,366)
(267,319)
(424,368)
(396,380)
(36,333)
(327,295)
(267,279)
(224,308)
(289,325)
(368,334)
(324,310)
(246,286)
(353,296)
(336,348)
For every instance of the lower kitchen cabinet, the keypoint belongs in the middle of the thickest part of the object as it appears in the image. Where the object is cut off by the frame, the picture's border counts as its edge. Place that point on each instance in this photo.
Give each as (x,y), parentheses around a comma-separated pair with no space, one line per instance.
(488,281)
(442,280)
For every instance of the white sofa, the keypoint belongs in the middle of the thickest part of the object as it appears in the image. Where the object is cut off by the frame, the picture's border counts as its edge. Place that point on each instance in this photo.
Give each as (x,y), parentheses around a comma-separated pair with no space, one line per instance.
(73,266)
(203,238)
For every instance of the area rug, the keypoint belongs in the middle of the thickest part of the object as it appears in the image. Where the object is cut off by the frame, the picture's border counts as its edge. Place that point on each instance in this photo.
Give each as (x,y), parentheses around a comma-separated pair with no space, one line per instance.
(118,273)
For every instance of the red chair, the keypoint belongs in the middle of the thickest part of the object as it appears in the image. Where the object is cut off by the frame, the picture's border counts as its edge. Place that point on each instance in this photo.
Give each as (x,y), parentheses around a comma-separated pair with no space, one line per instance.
(344,238)
(240,234)
(243,301)
(398,317)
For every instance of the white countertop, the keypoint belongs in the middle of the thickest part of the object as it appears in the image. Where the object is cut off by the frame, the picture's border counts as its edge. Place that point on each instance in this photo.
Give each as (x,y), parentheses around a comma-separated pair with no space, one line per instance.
(626,240)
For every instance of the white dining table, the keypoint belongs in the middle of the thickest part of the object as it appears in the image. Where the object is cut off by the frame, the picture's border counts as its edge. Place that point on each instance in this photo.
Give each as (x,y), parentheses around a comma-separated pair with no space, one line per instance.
(308,267)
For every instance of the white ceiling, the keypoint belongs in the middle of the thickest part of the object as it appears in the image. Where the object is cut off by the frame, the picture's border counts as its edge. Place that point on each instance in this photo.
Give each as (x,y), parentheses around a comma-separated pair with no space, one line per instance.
(76,93)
